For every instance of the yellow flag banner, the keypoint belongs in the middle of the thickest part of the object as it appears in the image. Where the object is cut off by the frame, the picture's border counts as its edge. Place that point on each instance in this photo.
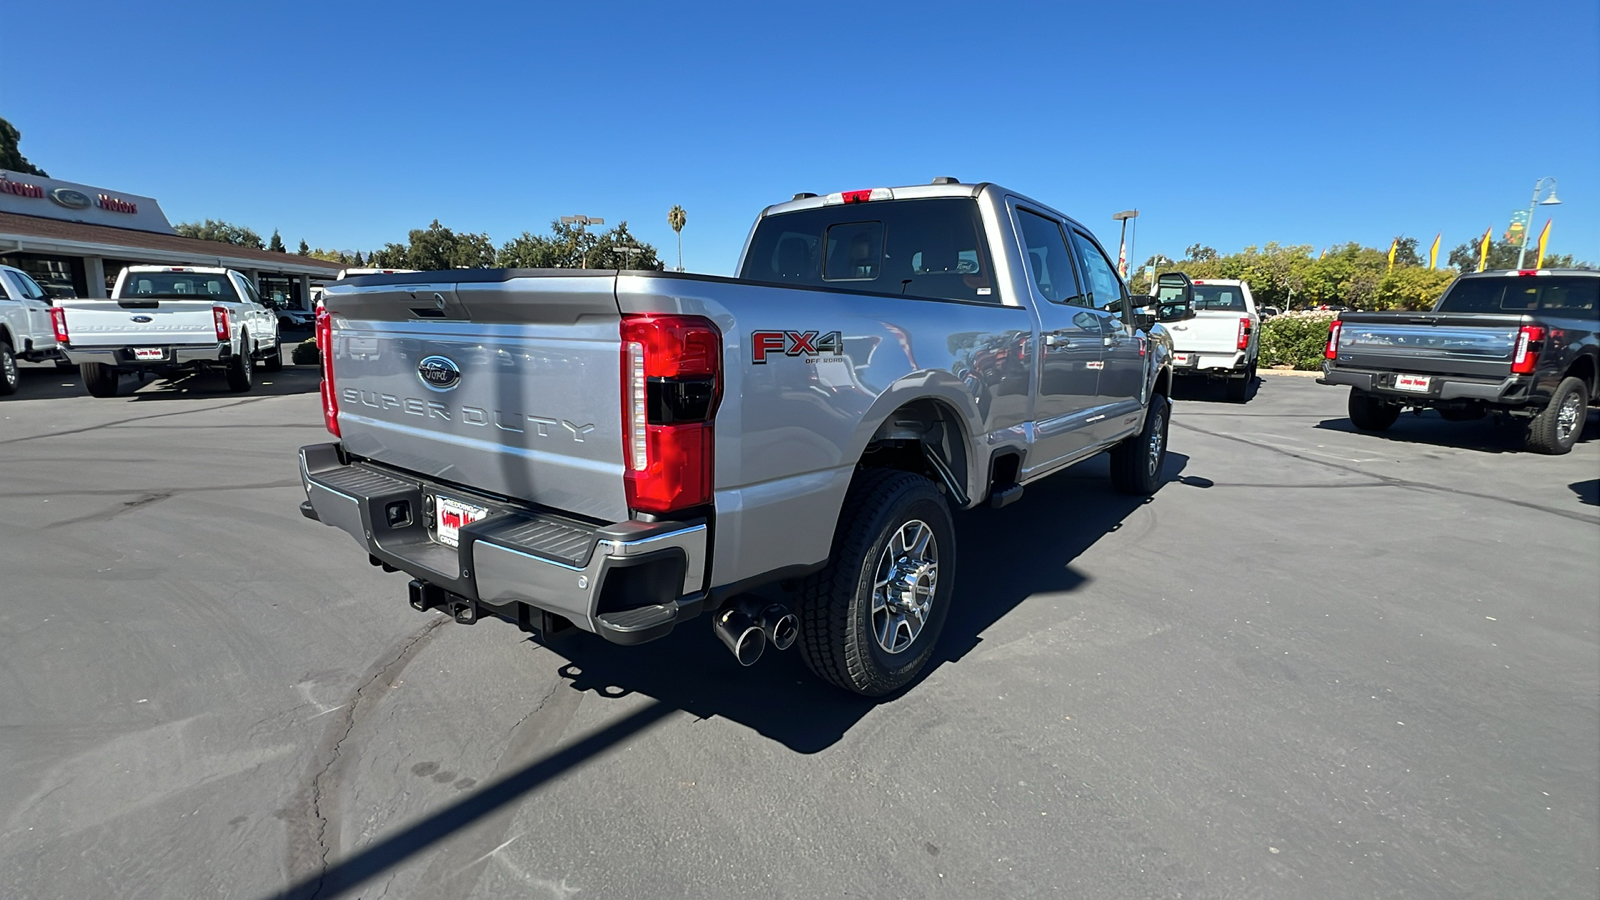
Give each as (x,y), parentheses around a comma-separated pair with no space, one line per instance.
(1483,249)
(1433,255)
(1544,235)
(1392,245)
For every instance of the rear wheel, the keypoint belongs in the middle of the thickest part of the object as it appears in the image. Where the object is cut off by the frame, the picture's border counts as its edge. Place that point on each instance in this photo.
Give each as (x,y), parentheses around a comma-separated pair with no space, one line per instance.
(869,620)
(100,379)
(1239,388)
(1557,428)
(242,368)
(10,378)
(274,362)
(1369,413)
(1136,462)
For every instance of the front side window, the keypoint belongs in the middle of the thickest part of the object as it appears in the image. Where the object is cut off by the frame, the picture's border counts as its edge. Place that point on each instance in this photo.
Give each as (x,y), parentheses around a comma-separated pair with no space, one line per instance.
(1101,275)
(1049,262)
(930,249)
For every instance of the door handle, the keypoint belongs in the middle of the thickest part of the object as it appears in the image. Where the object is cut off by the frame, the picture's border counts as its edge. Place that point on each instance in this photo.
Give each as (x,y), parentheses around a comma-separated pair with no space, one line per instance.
(1058,341)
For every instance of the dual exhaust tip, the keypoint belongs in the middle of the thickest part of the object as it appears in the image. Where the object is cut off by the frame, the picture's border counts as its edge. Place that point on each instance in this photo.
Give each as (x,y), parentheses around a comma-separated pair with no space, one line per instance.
(747,629)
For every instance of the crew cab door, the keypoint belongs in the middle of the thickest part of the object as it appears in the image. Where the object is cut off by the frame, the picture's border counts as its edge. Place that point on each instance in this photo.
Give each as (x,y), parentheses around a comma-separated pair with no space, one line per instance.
(258,320)
(1122,375)
(28,311)
(1068,357)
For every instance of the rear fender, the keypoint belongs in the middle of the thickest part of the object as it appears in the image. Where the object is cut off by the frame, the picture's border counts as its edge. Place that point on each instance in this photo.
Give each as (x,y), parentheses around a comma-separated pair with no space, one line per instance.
(935,408)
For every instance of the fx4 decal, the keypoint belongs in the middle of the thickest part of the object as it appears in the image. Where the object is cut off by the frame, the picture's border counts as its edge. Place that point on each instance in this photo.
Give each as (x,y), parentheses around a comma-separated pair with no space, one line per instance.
(794,343)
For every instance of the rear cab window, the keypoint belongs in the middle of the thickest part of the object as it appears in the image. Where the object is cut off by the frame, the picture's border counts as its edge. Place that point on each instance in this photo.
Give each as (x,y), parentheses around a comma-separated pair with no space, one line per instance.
(1563,293)
(1219,298)
(930,249)
(180,286)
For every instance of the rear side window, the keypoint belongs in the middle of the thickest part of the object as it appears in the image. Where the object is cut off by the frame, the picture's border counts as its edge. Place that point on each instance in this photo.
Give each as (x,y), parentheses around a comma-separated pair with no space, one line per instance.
(1522,294)
(930,249)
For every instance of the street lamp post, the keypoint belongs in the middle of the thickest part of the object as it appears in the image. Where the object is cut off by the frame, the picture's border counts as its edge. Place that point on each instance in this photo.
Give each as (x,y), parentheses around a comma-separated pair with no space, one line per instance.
(1547,201)
(1122,245)
(582,222)
(630,252)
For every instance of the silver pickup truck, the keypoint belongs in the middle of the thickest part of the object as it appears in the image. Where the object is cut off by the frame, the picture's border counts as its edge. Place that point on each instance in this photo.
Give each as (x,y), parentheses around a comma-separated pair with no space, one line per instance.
(621,451)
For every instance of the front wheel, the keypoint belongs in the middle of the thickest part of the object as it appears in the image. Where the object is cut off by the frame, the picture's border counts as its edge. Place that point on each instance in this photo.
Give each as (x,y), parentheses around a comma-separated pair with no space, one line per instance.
(10,378)
(242,368)
(1137,461)
(1555,430)
(274,363)
(869,620)
(1369,413)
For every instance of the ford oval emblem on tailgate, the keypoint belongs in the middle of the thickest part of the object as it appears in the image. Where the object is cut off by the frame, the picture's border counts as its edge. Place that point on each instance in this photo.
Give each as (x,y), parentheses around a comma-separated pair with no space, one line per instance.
(439,373)
(142,319)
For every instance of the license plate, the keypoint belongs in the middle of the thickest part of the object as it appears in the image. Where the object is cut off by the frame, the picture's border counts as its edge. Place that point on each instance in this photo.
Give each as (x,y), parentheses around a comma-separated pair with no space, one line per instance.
(1414,383)
(148,353)
(1183,359)
(450,516)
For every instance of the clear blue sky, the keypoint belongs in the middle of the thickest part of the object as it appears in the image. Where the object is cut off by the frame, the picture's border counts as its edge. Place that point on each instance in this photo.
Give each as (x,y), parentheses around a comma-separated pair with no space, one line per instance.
(1224,123)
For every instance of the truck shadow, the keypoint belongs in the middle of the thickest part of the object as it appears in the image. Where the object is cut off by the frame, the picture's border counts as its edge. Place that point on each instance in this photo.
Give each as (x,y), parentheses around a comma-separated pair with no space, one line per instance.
(195,385)
(1483,435)
(1588,492)
(778,698)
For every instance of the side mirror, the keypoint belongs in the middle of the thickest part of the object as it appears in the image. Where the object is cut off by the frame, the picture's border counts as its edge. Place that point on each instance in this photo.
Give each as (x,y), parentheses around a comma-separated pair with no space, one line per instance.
(1143,318)
(1174,297)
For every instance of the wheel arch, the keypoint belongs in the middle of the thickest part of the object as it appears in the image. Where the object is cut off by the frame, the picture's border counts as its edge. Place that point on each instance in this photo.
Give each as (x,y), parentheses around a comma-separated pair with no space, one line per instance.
(903,435)
(1585,368)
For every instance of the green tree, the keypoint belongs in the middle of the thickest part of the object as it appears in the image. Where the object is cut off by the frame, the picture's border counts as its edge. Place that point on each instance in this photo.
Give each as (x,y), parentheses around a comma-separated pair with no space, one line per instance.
(571,247)
(1503,255)
(305,248)
(1199,253)
(12,158)
(436,248)
(355,259)
(677,218)
(1412,287)
(224,232)
(276,244)
(1405,252)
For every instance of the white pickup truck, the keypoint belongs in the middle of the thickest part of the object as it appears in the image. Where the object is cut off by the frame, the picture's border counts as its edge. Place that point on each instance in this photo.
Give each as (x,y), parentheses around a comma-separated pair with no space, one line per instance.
(167,319)
(25,331)
(1223,338)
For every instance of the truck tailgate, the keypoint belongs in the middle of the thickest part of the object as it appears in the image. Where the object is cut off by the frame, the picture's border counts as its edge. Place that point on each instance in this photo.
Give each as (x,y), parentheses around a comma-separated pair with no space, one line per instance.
(1207,332)
(510,386)
(1430,343)
(137,323)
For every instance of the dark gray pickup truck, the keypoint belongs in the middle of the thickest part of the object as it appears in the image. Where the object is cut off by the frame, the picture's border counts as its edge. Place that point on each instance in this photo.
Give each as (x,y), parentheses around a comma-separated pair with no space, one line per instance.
(1520,344)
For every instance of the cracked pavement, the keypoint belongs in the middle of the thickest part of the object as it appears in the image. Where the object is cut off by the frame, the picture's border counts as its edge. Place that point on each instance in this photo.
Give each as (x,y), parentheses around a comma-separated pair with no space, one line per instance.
(1318,663)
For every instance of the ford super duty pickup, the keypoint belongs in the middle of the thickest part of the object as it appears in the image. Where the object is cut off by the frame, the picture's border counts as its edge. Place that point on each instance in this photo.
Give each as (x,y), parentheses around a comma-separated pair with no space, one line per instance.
(1522,345)
(168,319)
(622,451)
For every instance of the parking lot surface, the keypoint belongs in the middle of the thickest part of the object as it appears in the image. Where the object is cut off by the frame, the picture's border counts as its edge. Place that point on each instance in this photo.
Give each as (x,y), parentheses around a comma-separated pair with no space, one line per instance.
(1317,663)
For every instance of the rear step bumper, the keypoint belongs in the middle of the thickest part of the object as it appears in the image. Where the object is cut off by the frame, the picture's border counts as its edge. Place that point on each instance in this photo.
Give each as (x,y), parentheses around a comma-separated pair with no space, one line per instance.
(1511,389)
(172,355)
(628,582)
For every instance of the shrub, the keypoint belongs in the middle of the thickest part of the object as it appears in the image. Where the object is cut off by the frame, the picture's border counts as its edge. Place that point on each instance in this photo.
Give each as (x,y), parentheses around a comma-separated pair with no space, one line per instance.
(305,353)
(1295,339)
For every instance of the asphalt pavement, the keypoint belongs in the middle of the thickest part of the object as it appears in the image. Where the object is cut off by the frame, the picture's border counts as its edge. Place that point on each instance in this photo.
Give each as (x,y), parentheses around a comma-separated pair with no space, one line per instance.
(1318,663)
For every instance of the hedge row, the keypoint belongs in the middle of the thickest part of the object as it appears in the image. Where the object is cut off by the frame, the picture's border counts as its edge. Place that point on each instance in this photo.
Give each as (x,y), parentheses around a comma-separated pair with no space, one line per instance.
(1295,339)
(305,353)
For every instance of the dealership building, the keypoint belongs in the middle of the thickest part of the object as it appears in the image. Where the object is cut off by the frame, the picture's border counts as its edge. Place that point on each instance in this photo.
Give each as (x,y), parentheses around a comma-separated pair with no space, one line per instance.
(74,239)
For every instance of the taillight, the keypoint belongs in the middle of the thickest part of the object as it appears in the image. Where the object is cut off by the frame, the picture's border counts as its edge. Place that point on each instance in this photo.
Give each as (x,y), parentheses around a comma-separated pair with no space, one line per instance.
(1244,333)
(1530,340)
(58,321)
(671,384)
(330,399)
(219,316)
(1332,350)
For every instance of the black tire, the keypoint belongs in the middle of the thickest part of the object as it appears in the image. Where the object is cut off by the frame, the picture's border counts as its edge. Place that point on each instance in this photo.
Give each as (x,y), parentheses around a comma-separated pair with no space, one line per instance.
(1469,414)
(1559,425)
(839,629)
(242,368)
(274,363)
(101,380)
(1369,413)
(10,378)
(1136,463)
